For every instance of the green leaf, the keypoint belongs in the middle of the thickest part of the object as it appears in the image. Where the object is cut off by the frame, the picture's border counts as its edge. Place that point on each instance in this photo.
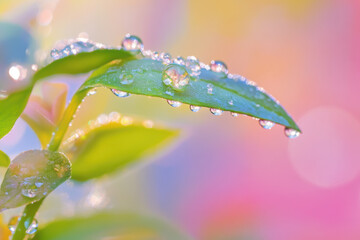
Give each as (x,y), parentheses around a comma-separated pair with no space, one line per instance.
(112,147)
(13,105)
(31,176)
(4,159)
(102,225)
(227,94)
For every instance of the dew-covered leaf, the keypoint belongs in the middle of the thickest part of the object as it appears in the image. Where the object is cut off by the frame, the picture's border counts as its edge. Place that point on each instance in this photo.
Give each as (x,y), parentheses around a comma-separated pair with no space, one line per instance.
(13,104)
(210,89)
(109,225)
(4,159)
(112,147)
(31,176)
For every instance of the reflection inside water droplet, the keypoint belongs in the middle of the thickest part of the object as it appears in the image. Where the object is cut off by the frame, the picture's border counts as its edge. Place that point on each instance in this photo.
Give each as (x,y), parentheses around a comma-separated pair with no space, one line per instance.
(176,77)
(216,112)
(291,133)
(194,108)
(120,93)
(218,66)
(192,63)
(174,103)
(266,124)
(132,43)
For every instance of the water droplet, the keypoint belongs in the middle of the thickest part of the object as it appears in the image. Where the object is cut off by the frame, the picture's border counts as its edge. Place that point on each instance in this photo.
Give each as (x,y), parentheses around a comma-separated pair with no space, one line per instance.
(291,133)
(126,79)
(32,228)
(218,66)
(91,92)
(179,60)
(192,63)
(234,114)
(147,53)
(82,46)
(194,108)
(176,77)
(17,72)
(66,51)
(169,93)
(210,88)
(13,223)
(165,57)
(120,93)
(55,54)
(155,56)
(174,103)
(132,43)
(29,192)
(266,124)
(231,102)
(216,112)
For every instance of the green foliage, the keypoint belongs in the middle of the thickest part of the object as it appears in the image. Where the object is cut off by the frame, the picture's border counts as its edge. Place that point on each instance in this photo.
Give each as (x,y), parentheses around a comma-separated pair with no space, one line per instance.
(31,176)
(146,77)
(4,159)
(102,225)
(113,147)
(75,64)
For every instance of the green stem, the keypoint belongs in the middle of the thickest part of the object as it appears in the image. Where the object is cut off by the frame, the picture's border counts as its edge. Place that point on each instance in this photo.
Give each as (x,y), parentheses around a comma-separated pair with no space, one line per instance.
(31,209)
(66,120)
(26,219)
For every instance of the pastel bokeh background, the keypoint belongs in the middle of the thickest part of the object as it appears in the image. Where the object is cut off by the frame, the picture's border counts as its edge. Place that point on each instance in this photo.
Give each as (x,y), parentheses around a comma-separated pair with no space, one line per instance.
(226,178)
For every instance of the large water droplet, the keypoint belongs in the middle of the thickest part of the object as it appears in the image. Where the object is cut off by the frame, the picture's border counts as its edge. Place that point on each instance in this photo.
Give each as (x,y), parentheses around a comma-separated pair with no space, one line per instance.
(132,43)
(291,133)
(266,124)
(29,192)
(17,72)
(218,66)
(120,93)
(126,79)
(174,103)
(194,108)
(216,112)
(13,223)
(176,77)
(192,63)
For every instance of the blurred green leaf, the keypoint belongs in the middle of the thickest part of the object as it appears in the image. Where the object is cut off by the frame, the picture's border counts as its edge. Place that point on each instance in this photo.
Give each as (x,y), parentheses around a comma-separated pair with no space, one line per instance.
(4,159)
(13,105)
(226,94)
(112,147)
(102,225)
(31,176)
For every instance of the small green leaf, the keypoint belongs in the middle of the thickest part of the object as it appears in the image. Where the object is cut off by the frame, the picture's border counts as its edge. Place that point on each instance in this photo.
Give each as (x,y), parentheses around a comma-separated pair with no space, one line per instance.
(31,176)
(112,147)
(11,108)
(13,105)
(210,89)
(103,225)
(4,159)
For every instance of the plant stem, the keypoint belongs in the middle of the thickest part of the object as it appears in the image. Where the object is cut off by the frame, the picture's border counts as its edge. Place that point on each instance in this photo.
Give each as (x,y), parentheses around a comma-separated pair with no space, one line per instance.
(26,219)
(66,120)
(31,209)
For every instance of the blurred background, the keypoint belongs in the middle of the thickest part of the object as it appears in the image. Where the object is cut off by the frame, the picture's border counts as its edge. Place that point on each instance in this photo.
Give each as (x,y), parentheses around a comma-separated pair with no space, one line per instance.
(225,178)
